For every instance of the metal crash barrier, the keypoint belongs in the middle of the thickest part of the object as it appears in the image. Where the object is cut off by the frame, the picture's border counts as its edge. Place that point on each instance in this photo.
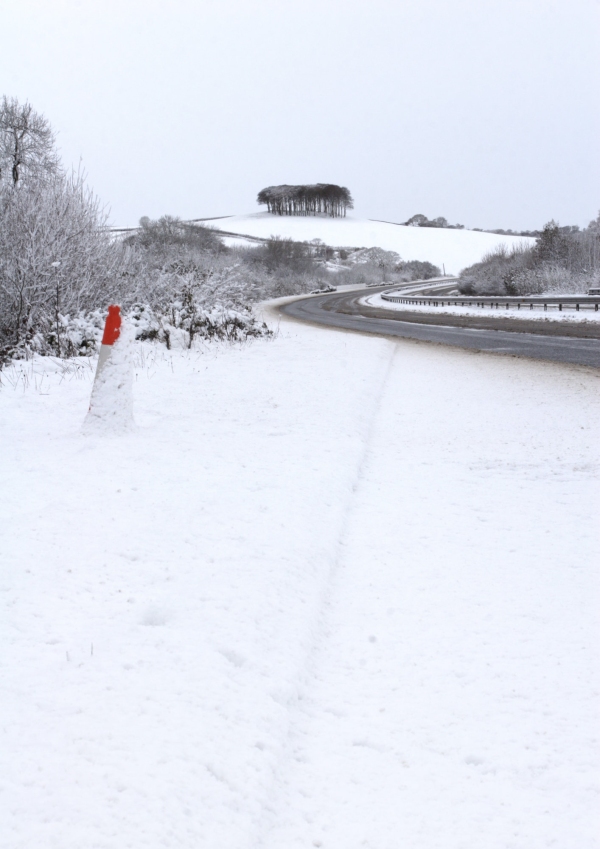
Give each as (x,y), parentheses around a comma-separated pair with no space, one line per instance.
(560,302)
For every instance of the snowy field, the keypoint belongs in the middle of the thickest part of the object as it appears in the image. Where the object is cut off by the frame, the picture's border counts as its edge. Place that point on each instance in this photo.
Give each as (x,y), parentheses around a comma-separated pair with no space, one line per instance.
(539,314)
(454,249)
(334,591)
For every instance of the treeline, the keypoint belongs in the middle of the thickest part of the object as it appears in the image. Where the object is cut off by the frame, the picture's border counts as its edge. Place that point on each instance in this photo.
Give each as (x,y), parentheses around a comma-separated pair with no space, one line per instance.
(320,198)
(563,260)
(421,220)
(501,232)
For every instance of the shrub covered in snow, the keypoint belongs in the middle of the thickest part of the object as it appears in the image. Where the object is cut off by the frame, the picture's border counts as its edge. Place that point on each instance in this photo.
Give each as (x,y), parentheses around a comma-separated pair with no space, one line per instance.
(183,321)
(496,273)
(418,270)
(177,325)
(65,335)
(374,266)
(175,263)
(564,259)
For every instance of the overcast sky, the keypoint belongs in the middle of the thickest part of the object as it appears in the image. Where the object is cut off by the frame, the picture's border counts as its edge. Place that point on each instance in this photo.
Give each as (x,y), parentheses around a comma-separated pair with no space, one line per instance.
(483,111)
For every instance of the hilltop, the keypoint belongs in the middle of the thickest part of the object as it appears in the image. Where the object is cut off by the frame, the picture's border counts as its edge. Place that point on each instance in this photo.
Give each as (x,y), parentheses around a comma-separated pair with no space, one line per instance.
(448,248)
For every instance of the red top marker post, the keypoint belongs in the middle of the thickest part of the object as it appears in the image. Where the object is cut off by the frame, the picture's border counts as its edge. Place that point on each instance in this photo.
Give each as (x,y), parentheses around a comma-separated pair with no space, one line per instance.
(112,328)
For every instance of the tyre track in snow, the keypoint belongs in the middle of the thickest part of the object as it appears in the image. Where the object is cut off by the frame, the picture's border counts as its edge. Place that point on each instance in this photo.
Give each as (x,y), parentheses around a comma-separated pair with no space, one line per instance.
(468,715)
(274,801)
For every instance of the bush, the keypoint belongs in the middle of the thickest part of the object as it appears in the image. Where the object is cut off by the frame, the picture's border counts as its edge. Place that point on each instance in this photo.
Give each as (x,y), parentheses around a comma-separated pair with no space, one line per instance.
(564,259)
(361,274)
(168,236)
(278,254)
(549,279)
(496,272)
(170,257)
(184,320)
(70,336)
(417,270)
(375,266)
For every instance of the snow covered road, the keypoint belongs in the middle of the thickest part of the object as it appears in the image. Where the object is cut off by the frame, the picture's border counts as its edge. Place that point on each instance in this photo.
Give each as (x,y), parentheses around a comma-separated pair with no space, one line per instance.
(334,591)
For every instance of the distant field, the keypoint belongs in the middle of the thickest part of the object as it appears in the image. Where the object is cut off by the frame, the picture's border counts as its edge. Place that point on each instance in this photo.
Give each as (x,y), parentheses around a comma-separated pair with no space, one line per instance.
(454,249)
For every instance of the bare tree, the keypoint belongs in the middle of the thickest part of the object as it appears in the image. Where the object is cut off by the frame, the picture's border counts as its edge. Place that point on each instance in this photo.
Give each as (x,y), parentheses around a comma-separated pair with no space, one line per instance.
(27,143)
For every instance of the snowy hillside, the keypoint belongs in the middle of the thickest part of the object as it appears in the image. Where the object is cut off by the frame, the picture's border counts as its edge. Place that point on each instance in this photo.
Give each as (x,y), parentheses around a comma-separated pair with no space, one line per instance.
(453,249)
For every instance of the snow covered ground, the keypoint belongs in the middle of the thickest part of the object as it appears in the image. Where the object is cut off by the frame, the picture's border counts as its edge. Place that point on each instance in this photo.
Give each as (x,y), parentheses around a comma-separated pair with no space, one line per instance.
(538,313)
(333,591)
(454,249)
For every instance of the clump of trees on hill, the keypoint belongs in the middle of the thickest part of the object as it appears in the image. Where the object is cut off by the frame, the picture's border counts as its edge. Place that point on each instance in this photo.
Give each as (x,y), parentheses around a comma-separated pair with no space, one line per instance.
(563,260)
(325,198)
(421,220)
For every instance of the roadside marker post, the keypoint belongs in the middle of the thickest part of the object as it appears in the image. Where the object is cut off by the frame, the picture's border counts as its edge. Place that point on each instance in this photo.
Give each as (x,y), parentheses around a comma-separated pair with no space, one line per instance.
(112,329)
(111,402)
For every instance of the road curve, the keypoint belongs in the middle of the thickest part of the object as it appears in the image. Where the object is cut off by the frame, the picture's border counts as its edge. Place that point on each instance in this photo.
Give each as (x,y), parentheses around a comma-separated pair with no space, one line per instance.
(540,340)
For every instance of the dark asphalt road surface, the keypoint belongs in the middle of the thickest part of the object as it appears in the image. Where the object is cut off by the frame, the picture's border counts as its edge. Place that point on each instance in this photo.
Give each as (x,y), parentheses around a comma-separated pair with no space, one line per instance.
(549,341)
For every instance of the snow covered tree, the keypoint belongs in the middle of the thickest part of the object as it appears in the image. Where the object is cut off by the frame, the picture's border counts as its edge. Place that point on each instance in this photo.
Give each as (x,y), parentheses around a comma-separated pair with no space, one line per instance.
(27,143)
(553,244)
(57,257)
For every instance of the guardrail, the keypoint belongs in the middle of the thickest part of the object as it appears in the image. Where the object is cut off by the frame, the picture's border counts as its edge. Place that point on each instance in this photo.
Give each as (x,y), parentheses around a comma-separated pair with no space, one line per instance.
(420,287)
(576,302)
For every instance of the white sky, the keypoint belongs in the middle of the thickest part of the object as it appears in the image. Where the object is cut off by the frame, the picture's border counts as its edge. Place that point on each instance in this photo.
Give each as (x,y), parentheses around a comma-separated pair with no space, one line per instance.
(483,111)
